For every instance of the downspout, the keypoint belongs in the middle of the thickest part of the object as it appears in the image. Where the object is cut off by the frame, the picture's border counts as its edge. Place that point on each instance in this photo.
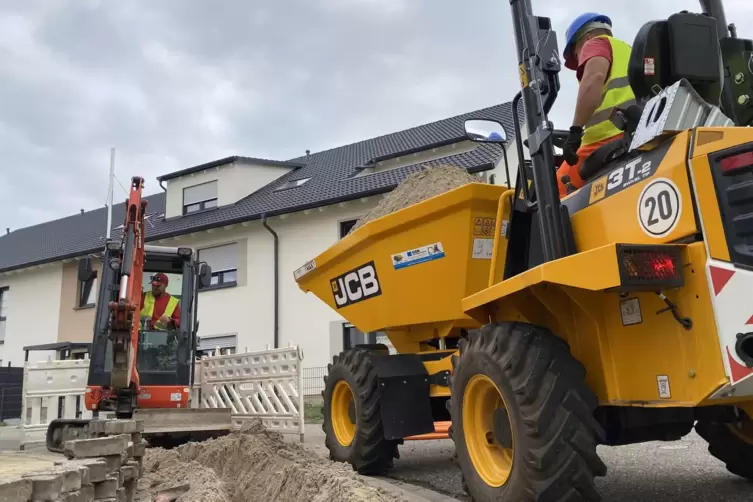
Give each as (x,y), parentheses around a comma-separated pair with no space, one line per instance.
(162,186)
(277,280)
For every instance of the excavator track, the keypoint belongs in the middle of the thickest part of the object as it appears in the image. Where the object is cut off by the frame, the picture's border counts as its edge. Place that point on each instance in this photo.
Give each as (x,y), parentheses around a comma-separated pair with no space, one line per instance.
(61,430)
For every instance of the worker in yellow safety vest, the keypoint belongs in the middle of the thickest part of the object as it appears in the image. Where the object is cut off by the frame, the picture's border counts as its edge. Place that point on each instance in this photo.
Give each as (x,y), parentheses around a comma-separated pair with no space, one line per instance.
(601,65)
(159,306)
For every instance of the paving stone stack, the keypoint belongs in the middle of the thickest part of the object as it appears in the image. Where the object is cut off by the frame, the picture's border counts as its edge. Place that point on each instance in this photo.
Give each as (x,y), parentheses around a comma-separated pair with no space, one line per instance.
(105,467)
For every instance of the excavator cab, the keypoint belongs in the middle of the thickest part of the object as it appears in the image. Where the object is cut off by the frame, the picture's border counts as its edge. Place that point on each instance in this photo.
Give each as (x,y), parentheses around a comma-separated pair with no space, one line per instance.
(164,357)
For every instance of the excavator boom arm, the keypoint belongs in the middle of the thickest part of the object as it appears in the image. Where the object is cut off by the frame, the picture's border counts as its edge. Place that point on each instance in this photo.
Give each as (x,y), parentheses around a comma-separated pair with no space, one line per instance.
(124,313)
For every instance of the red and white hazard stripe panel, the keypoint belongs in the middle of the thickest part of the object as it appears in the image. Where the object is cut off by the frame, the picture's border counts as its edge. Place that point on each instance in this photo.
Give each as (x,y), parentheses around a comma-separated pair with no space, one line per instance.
(732,291)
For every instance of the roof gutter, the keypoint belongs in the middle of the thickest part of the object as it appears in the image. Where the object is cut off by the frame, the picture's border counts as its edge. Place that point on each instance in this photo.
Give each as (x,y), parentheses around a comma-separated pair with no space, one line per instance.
(277,280)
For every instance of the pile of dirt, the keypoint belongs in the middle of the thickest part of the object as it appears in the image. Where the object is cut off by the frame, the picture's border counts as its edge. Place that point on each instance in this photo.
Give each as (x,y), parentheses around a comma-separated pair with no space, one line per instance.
(251,465)
(419,186)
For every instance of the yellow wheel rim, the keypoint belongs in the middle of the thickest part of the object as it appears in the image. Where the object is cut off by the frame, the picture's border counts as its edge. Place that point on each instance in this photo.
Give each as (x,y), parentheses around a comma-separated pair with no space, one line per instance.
(492,462)
(744,431)
(342,397)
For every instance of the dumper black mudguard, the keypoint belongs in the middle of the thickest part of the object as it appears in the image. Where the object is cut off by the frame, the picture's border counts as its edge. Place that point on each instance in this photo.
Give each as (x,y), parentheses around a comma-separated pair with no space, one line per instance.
(404,395)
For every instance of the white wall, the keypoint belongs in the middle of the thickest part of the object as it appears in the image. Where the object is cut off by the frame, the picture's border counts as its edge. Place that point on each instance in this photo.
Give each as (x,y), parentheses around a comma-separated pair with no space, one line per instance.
(32,311)
(235,181)
(245,309)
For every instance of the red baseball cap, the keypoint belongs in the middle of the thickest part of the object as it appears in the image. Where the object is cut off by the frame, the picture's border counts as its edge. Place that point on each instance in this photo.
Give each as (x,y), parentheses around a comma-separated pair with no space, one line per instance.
(159,278)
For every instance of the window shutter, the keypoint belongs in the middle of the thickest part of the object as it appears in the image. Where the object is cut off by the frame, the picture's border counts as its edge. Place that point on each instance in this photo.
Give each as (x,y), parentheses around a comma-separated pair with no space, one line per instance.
(220,258)
(199,193)
(222,341)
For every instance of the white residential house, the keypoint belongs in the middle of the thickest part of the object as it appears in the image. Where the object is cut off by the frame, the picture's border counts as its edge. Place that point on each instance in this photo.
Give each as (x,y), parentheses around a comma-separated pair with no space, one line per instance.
(231,211)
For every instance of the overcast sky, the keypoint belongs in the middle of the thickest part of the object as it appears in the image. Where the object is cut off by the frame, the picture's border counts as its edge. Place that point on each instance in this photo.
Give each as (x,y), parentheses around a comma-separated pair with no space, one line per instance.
(175,83)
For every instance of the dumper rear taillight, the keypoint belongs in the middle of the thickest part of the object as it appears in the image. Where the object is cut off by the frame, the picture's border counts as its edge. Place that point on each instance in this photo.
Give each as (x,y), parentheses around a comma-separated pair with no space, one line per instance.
(650,267)
(735,164)
(732,172)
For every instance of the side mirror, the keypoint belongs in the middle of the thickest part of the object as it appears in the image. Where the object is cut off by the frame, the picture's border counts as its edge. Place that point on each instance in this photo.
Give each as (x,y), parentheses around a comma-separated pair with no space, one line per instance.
(205,275)
(485,131)
(85,271)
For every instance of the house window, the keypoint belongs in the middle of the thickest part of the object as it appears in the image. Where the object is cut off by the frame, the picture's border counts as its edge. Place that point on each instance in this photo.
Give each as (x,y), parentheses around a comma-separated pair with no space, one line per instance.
(291,184)
(3,312)
(87,292)
(353,336)
(346,226)
(217,345)
(224,263)
(200,197)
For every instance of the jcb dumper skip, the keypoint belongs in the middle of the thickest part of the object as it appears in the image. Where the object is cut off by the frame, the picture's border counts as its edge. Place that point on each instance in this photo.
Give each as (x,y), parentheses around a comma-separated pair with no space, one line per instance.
(542,327)
(140,369)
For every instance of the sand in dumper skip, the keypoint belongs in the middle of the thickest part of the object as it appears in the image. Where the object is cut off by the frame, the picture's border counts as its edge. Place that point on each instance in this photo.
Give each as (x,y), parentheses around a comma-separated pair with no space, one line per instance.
(252,465)
(419,186)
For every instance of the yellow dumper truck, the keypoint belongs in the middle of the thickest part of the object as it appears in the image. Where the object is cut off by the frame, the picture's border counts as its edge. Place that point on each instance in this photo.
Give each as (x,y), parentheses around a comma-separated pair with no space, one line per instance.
(542,328)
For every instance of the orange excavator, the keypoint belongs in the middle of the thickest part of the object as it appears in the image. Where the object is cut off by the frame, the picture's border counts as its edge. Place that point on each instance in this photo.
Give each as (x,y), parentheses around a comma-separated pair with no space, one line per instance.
(136,370)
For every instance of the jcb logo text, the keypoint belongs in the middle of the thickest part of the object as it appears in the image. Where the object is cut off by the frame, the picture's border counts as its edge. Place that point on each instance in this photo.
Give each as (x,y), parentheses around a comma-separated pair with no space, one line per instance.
(356,286)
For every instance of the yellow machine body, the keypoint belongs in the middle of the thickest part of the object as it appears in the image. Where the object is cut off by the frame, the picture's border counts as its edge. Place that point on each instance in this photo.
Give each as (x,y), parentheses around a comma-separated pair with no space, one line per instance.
(458,283)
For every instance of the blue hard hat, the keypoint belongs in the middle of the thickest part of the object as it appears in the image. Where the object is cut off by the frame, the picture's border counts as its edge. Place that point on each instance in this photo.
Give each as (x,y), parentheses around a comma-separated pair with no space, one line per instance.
(495,136)
(579,23)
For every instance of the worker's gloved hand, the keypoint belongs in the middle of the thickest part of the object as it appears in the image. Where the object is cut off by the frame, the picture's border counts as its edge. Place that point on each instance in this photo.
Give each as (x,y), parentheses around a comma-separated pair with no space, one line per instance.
(572,143)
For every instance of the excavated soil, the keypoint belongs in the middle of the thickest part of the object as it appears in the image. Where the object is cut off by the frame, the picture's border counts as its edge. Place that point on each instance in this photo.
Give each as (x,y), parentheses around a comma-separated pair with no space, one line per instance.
(424,184)
(251,465)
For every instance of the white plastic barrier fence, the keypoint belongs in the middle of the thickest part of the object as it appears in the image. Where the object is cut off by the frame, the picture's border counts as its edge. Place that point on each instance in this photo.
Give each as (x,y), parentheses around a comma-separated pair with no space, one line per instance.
(267,385)
(52,389)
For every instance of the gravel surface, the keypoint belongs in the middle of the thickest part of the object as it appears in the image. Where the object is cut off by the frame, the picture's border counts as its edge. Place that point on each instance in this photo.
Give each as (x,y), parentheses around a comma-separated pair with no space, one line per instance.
(679,471)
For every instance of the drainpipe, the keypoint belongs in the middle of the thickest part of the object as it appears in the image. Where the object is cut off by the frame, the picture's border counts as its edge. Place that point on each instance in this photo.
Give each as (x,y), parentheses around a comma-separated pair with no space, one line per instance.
(277,280)
(162,186)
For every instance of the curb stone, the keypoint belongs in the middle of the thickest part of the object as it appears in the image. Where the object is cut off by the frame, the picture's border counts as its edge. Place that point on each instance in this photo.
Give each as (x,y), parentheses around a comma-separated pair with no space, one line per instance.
(406,491)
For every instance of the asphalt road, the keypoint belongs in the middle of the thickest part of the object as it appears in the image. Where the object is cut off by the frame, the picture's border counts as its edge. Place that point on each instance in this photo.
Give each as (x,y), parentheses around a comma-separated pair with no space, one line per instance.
(671,472)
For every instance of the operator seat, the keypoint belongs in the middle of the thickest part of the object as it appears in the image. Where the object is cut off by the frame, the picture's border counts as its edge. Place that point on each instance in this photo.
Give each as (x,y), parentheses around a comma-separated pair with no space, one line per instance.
(686,45)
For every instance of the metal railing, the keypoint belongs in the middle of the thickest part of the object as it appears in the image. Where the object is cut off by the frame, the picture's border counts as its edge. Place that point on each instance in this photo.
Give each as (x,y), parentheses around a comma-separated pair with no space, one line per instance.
(313,381)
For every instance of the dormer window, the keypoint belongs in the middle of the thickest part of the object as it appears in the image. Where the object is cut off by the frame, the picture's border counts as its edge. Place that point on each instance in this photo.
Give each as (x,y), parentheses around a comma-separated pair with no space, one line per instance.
(200,197)
(291,184)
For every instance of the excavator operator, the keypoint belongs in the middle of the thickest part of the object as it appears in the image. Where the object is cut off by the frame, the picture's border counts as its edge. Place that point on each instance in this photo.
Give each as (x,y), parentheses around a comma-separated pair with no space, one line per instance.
(159,306)
(601,65)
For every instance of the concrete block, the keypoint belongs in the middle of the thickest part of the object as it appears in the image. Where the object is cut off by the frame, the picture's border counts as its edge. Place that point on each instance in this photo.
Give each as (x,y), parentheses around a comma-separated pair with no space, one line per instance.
(114,462)
(107,488)
(136,467)
(96,469)
(131,487)
(87,492)
(97,447)
(121,496)
(70,474)
(140,426)
(97,426)
(129,471)
(15,489)
(137,437)
(44,488)
(73,497)
(84,471)
(139,449)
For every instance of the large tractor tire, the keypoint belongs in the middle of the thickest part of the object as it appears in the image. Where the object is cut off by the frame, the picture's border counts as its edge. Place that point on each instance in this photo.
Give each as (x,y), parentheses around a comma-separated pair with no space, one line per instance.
(730,443)
(522,418)
(352,416)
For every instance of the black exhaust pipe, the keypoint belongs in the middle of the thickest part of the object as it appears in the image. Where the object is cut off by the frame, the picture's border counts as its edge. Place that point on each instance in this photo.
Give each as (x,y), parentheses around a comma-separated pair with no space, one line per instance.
(744,348)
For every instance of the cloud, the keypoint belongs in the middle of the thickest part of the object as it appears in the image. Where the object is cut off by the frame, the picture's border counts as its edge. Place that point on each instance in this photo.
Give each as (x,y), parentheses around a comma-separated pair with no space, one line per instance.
(176,83)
